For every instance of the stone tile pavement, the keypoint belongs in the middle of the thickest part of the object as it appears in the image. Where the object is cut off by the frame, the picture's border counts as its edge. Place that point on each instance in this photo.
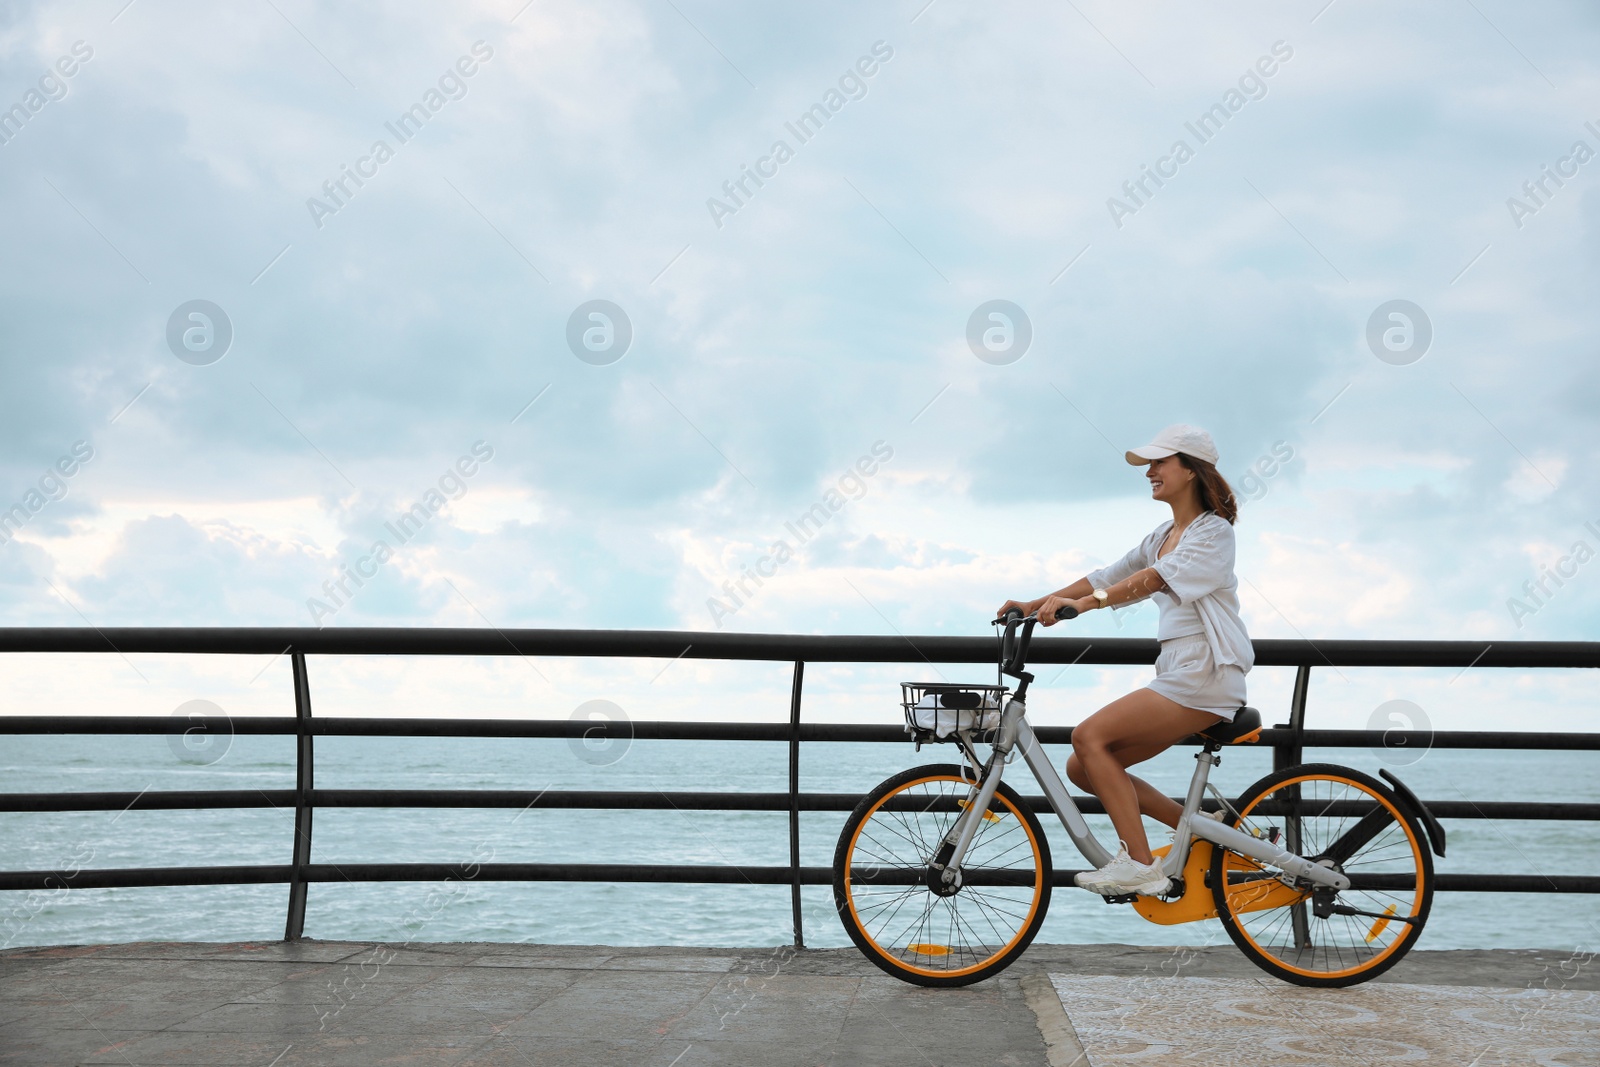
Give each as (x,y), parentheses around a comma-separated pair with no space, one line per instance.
(275,1004)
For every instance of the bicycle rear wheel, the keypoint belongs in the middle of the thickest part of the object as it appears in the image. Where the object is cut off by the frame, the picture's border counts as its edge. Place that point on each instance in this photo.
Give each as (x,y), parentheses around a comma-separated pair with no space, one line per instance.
(886,899)
(1349,821)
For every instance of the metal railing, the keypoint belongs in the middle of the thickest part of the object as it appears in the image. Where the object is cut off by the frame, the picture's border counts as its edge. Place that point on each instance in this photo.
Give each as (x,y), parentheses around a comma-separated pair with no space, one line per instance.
(1287,741)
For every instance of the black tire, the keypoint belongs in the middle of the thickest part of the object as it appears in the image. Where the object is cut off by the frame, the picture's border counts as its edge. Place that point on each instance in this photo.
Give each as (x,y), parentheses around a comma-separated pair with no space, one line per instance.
(1316,805)
(881,892)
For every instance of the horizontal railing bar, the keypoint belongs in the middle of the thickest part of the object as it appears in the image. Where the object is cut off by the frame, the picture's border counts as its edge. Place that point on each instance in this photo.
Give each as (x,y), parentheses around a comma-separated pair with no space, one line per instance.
(145,724)
(657,800)
(145,877)
(114,877)
(710,874)
(1401,743)
(1527,810)
(673,644)
(1393,741)
(1516,883)
(639,800)
(149,800)
(364,726)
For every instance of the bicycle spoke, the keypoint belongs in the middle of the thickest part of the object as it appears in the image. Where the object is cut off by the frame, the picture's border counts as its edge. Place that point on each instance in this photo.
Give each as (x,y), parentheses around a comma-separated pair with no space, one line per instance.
(956,922)
(918,923)
(987,911)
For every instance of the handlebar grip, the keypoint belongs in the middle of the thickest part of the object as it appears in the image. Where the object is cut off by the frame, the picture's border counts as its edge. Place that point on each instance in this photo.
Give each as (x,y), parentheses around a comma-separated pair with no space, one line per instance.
(1066,611)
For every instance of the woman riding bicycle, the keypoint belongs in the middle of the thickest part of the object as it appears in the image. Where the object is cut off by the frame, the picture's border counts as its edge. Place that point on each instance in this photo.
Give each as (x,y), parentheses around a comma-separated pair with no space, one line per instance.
(1187,564)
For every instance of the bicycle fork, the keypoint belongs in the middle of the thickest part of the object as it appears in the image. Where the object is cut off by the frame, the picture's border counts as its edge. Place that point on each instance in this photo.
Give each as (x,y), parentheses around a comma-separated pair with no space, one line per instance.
(945,867)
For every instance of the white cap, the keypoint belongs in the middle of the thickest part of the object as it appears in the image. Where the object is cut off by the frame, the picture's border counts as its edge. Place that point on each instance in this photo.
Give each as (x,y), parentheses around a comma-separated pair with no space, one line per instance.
(1190,440)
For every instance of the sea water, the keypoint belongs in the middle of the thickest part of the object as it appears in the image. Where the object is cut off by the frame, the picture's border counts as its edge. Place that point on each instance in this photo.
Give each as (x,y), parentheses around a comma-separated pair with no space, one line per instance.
(654,913)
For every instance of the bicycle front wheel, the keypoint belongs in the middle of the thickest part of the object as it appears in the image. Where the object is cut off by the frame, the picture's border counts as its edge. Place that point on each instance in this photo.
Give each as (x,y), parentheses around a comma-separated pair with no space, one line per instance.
(1351,822)
(912,926)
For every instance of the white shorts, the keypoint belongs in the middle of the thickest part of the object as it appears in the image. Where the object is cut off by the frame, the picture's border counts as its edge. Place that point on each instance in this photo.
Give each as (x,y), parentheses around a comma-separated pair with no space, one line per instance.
(1186,675)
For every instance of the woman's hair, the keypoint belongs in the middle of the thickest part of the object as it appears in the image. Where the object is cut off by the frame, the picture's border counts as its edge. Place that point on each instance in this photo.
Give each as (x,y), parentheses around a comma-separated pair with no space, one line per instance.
(1215,492)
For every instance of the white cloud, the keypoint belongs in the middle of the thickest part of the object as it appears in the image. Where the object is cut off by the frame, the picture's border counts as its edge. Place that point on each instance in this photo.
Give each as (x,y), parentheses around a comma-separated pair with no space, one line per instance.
(1538,477)
(1315,587)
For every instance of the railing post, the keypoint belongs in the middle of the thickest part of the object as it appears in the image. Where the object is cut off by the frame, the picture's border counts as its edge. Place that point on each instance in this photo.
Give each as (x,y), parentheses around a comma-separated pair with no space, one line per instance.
(794,802)
(294,927)
(1287,755)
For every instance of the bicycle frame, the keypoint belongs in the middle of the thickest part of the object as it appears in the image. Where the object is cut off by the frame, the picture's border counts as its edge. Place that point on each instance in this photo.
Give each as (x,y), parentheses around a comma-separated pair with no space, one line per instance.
(1015,734)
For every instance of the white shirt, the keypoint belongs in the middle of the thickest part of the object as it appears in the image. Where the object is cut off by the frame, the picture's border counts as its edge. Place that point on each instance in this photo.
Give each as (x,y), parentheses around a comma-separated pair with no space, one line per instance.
(1202,594)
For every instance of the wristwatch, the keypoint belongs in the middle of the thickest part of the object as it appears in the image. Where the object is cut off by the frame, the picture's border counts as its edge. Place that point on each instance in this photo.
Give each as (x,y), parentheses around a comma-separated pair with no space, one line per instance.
(1101,597)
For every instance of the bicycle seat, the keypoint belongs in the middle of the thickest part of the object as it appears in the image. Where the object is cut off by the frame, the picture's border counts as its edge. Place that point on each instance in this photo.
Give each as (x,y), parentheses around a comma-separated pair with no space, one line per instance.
(1244,729)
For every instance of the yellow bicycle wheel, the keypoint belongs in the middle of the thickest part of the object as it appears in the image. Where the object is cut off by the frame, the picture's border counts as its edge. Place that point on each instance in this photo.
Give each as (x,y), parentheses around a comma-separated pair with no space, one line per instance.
(1345,820)
(912,925)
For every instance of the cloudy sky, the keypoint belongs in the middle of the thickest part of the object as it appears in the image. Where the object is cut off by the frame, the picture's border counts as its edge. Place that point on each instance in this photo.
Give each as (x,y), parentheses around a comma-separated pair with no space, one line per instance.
(363,334)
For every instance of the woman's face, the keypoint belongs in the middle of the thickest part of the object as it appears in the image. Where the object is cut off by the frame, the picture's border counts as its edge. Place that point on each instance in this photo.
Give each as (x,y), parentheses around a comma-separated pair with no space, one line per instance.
(1169,479)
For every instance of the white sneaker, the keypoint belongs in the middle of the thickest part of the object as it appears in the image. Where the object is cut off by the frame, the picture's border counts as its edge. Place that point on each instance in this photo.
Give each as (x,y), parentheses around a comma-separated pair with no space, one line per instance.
(1123,875)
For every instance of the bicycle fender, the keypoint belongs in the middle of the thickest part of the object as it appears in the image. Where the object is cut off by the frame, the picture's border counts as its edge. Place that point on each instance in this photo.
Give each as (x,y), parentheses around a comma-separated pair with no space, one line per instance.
(1429,823)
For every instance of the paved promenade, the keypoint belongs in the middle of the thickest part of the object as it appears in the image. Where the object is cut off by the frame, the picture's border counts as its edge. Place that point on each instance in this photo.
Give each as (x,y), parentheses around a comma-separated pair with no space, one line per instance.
(272,1004)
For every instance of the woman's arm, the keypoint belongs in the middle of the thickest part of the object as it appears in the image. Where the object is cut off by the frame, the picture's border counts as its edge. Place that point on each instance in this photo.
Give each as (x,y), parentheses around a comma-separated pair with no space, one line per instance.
(1135,587)
(1127,580)
(1079,588)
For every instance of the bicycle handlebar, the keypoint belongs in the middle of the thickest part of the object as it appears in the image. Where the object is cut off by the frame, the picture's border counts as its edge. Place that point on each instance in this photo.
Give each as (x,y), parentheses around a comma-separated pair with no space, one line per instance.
(1014,650)
(1065,611)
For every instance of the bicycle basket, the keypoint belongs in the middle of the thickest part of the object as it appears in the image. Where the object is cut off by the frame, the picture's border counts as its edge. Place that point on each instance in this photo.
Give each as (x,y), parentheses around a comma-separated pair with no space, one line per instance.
(935,711)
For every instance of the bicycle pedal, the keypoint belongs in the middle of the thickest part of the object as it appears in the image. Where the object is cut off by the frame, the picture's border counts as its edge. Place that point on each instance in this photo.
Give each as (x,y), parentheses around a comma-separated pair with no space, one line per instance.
(1120,898)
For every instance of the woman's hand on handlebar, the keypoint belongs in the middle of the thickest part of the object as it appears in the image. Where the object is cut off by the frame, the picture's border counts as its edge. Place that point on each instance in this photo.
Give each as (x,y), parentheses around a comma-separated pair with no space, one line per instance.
(1026,607)
(1048,609)
(1053,609)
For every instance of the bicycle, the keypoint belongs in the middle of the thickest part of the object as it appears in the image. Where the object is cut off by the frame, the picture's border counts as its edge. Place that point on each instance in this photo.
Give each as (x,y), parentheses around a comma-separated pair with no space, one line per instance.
(1322,875)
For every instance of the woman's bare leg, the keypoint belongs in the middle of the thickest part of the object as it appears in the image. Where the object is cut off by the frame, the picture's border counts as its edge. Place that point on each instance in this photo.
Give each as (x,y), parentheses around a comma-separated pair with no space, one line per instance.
(1152,801)
(1137,723)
